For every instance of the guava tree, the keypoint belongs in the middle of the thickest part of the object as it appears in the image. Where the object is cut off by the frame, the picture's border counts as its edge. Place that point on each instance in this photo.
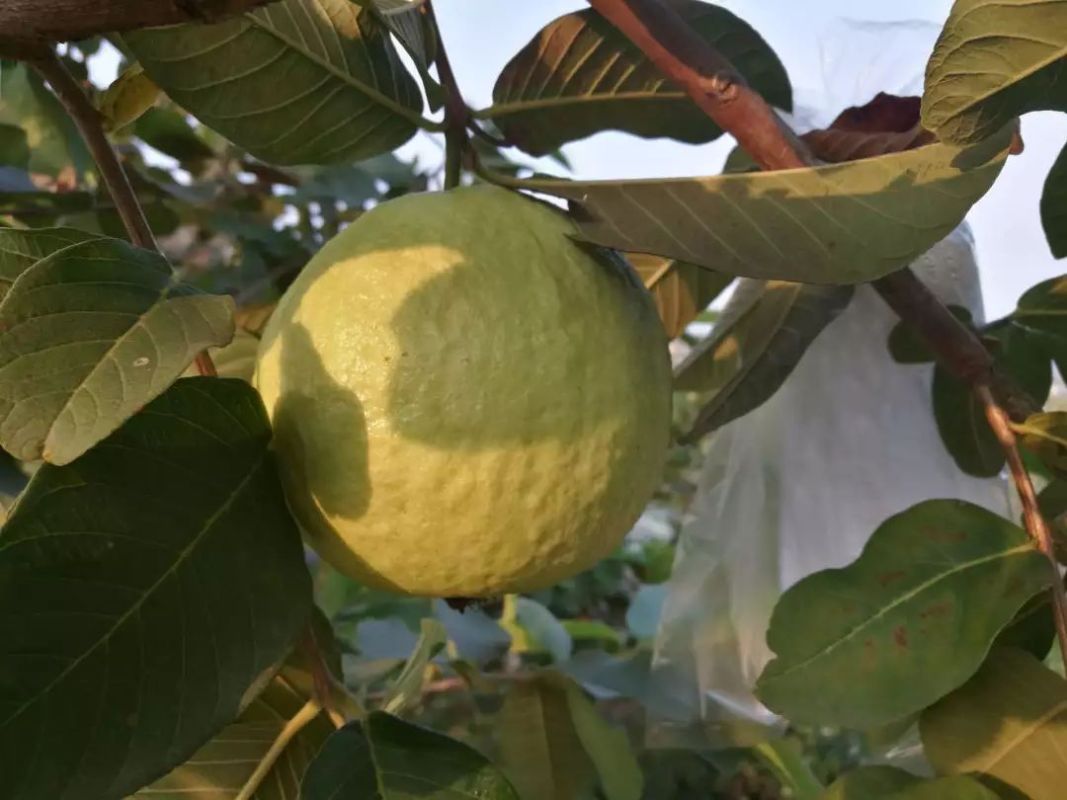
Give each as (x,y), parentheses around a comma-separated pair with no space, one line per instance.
(164,631)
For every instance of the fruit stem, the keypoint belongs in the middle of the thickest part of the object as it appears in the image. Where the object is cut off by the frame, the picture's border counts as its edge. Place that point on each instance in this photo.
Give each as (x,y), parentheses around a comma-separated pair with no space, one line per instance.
(457,113)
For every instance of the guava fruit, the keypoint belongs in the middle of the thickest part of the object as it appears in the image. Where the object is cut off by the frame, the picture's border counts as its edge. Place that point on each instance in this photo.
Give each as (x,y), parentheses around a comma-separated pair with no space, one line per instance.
(466,402)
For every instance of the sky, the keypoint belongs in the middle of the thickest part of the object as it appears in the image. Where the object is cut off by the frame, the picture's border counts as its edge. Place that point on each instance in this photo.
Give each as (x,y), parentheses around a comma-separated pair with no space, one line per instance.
(833,62)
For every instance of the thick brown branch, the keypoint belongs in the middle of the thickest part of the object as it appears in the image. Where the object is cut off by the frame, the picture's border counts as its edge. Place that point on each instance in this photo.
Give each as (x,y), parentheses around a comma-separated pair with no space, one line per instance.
(29,21)
(1032,519)
(714,84)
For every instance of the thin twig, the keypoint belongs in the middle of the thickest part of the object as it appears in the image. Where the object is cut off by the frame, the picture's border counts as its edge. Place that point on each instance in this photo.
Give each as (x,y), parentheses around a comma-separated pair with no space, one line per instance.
(114,177)
(90,125)
(304,717)
(457,113)
(1032,519)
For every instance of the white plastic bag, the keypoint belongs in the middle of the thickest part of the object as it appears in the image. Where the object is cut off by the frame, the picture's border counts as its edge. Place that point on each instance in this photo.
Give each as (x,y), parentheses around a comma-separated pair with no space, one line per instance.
(800,484)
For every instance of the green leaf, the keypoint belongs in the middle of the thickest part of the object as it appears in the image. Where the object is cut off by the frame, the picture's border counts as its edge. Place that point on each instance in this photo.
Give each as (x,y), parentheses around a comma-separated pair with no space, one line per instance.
(21,249)
(1033,629)
(90,334)
(681,291)
(840,223)
(890,783)
(907,348)
(385,758)
(579,76)
(995,60)
(1046,435)
(407,688)
(962,423)
(224,766)
(1008,723)
(1054,206)
(146,588)
(762,336)
(130,95)
(297,81)
(555,746)
(169,132)
(907,622)
(534,628)
(54,142)
(1044,308)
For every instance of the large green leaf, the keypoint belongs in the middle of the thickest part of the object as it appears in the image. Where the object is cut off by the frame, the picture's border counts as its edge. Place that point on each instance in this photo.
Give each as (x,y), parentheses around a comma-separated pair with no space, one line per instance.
(555,745)
(995,60)
(226,765)
(53,140)
(749,356)
(89,335)
(384,758)
(21,249)
(145,589)
(889,783)
(1054,206)
(1009,722)
(297,81)
(907,622)
(681,291)
(841,223)
(579,76)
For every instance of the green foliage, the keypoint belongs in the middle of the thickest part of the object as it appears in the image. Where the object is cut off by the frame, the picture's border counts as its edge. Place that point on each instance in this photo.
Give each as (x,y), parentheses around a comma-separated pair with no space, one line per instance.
(995,59)
(907,348)
(579,76)
(907,622)
(757,343)
(889,783)
(681,290)
(384,758)
(1054,206)
(841,223)
(270,81)
(136,621)
(1008,724)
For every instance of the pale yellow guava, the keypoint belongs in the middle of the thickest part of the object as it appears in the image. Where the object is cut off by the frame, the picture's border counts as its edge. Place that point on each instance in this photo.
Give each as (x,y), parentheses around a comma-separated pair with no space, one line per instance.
(465,401)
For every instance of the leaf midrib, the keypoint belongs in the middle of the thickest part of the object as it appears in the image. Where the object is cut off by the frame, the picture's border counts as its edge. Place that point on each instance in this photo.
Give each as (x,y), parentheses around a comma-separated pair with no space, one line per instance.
(183,556)
(900,600)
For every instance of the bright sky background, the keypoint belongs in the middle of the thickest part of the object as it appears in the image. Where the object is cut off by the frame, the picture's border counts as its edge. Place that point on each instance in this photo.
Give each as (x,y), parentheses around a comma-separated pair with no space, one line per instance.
(812,40)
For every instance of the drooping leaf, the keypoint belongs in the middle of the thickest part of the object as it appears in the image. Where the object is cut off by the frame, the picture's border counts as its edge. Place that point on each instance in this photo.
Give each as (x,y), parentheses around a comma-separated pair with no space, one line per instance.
(890,783)
(224,767)
(995,60)
(886,124)
(963,426)
(146,588)
(841,223)
(407,688)
(749,355)
(579,76)
(907,622)
(1054,206)
(297,81)
(21,249)
(54,142)
(555,746)
(385,758)
(1009,722)
(90,334)
(130,95)
(681,291)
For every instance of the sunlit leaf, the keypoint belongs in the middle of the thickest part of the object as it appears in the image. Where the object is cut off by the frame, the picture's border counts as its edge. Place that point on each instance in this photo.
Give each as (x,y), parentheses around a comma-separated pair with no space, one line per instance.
(890,783)
(384,758)
(681,291)
(297,81)
(1009,722)
(841,223)
(1054,206)
(755,347)
(907,622)
(995,60)
(580,75)
(127,98)
(555,745)
(89,335)
(146,588)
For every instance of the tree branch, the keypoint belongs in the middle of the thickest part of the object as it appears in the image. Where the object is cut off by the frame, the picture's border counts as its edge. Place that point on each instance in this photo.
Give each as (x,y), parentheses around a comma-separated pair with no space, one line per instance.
(457,114)
(1032,519)
(27,22)
(716,86)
